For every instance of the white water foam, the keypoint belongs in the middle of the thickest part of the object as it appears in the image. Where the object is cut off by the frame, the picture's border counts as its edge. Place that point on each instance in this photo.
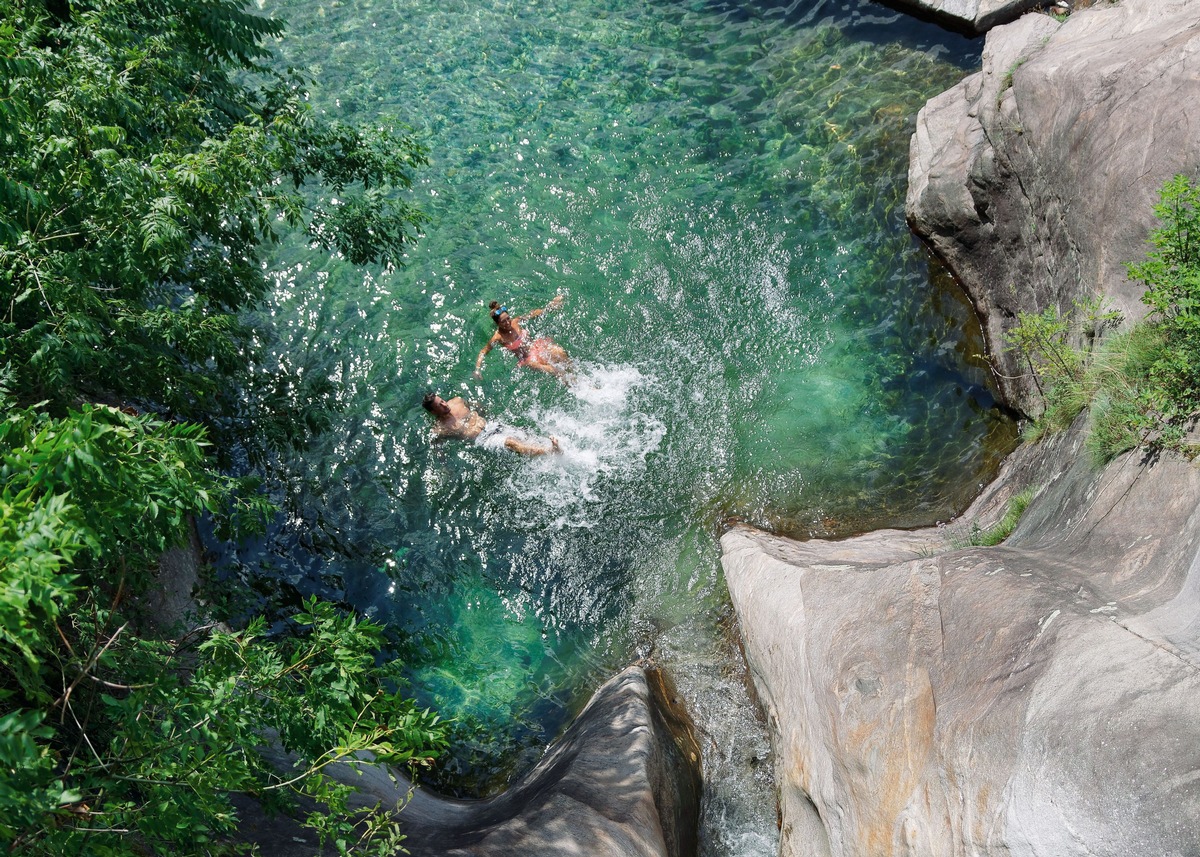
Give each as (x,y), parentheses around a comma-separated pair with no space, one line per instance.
(602,435)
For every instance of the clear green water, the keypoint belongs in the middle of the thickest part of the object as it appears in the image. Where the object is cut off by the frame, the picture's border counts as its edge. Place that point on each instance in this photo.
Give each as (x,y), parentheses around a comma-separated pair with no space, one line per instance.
(718,192)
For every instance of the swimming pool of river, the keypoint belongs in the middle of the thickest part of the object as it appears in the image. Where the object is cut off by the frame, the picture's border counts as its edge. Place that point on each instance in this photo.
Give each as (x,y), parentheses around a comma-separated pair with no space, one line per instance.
(717,191)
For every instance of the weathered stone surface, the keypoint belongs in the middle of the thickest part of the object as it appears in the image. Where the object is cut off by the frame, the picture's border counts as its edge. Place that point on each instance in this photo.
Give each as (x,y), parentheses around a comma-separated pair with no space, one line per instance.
(1035,698)
(1038,697)
(624,781)
(1035,178)
(972,16)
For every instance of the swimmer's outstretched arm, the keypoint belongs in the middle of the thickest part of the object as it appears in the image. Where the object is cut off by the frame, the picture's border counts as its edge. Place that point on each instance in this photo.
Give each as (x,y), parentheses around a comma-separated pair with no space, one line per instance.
(555,302)
(483,353)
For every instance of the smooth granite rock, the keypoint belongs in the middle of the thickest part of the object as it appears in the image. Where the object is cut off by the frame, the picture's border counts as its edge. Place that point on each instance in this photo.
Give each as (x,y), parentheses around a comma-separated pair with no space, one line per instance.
(1034,698)
(623,781)
(1035,178)
(1038,697)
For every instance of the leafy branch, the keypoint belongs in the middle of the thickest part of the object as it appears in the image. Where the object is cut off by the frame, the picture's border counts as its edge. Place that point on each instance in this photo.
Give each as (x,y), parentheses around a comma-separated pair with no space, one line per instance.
(151,154)
(1142,385)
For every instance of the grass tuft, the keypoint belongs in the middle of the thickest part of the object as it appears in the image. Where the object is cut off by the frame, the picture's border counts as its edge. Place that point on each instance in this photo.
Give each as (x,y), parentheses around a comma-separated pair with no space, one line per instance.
(977,536)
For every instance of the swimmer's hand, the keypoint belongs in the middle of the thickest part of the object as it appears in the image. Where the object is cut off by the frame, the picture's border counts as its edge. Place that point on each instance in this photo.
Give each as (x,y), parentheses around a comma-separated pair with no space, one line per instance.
(555,301)
(554,447)
(477,375)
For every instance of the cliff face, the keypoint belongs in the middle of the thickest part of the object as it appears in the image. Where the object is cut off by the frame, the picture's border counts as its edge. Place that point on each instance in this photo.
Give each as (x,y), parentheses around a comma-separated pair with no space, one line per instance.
(1035,178)
(1038,697)
(1035,698)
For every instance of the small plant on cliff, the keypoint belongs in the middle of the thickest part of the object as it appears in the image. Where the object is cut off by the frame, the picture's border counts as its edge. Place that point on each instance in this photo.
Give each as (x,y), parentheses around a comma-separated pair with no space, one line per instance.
(1006,80)
(1143,385)
(1152,393)
(978,536)
(1061,371)
(1003,528)
(1119,419)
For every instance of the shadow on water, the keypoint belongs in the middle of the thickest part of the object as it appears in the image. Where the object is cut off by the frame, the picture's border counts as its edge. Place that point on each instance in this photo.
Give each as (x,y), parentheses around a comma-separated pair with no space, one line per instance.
(877,22)
(718,192)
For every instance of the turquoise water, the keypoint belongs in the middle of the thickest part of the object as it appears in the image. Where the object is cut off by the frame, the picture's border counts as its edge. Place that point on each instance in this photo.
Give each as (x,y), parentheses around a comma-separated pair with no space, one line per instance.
(717,190)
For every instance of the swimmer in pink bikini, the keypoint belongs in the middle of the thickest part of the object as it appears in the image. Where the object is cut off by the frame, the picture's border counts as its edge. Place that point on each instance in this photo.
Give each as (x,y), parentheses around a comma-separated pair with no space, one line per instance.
(542,353)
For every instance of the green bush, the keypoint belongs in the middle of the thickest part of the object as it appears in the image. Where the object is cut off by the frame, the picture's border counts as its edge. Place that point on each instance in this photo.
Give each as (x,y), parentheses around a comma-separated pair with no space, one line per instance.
(112,742)
(148,154)
(1142,387)
(84,498)
(1118,420)
(1061,371)
(1171,274)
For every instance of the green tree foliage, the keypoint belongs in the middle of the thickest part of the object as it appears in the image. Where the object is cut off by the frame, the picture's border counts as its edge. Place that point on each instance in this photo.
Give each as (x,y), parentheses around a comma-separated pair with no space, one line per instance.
(1171,274)
(110,486)
(113,742)
(161,732)
(148,156)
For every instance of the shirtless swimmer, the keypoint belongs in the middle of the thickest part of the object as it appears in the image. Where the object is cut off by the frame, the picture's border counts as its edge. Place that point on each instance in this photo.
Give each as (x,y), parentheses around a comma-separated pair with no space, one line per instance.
(455,419)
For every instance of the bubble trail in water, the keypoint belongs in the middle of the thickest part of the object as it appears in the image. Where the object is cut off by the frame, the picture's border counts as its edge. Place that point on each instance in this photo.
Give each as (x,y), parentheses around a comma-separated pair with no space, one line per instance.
(601,434)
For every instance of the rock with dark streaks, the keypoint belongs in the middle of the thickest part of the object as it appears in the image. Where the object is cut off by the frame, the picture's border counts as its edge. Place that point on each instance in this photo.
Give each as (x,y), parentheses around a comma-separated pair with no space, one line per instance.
(970,16)
(1035,178)
(623,781)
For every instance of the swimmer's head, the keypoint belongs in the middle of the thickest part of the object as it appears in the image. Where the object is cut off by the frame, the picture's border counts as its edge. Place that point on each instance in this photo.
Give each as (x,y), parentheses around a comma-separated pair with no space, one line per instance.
(435,404)
(499,313)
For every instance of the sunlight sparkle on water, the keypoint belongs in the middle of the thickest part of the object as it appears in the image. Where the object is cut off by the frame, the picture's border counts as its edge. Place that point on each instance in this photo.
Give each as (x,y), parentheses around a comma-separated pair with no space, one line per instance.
(756,337)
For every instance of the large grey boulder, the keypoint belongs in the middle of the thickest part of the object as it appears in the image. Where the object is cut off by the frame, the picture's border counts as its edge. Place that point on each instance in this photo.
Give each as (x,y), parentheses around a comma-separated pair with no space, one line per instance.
(1038,697)
(1035,178)
(623,781)
(972,16)
(1035,698)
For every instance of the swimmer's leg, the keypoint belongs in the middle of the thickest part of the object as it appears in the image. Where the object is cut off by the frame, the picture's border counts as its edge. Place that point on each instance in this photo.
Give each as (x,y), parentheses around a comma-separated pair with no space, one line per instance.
(554,369)
(531,449)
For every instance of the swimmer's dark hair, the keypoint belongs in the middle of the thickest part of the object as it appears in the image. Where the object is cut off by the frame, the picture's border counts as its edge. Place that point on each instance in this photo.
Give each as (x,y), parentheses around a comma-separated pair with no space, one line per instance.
(427,402)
